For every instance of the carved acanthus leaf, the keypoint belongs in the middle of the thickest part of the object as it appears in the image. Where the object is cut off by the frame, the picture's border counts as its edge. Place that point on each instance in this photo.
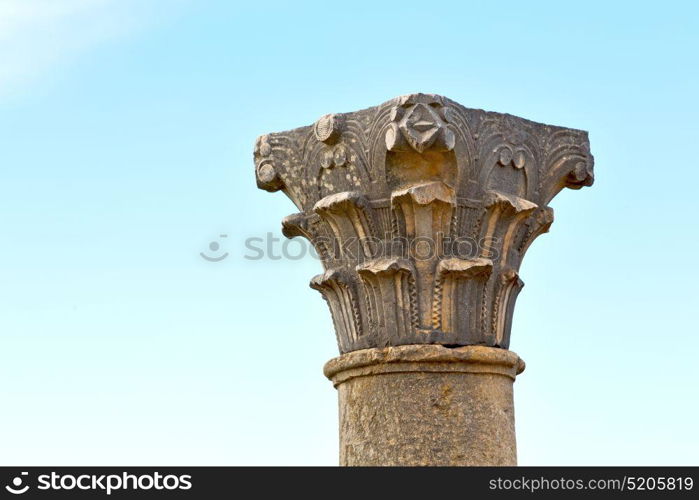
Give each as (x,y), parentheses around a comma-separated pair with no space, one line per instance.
(421,210)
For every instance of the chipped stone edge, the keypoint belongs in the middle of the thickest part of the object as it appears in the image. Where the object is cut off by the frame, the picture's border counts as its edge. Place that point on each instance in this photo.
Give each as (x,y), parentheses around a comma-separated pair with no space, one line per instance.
(423,358)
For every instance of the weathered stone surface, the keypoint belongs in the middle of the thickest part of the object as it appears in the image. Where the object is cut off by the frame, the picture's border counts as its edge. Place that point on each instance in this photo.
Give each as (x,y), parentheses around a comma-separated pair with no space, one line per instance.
(426,405)
(421,210)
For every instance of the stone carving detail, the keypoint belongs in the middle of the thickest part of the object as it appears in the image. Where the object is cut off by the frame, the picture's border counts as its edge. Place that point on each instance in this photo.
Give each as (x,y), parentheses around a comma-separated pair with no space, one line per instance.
(418,125)
(421,211)
(389,288)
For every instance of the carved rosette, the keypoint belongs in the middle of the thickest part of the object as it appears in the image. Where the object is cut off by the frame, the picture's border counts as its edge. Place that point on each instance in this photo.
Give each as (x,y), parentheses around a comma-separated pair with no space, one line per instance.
(421,211)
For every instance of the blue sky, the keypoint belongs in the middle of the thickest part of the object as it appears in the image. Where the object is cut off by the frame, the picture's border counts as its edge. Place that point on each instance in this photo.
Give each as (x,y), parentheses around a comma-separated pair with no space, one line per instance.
(126,136)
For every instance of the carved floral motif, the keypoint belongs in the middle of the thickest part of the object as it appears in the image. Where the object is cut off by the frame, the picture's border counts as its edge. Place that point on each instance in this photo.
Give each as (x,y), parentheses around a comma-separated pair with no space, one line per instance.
(421,211)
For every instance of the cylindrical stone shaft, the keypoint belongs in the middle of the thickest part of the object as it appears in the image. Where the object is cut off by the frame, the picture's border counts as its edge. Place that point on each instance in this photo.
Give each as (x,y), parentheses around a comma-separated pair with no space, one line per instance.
(426,405)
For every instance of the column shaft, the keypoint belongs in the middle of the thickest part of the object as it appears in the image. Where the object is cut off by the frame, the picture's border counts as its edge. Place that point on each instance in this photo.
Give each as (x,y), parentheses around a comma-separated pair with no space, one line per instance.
(426,405)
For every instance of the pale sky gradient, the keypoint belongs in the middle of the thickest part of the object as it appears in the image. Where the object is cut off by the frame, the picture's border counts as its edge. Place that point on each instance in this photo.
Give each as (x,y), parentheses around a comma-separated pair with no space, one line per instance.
(126,137)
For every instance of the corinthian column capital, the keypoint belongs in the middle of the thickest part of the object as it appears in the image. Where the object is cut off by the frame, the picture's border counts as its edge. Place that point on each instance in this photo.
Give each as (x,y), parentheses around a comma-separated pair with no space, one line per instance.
(421,210)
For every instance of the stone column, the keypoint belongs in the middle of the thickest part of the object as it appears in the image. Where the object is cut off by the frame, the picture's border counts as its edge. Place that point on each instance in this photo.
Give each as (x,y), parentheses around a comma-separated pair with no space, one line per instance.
(421,211)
